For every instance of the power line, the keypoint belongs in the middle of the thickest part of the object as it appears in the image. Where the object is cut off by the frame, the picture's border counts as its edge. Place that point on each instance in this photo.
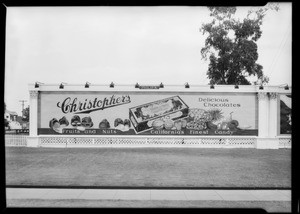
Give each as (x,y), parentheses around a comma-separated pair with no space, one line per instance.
(282,44)
(279,50)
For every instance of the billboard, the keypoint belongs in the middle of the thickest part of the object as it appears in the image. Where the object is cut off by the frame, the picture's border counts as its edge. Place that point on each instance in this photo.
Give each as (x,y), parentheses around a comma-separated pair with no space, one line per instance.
(147,113)
(285,113)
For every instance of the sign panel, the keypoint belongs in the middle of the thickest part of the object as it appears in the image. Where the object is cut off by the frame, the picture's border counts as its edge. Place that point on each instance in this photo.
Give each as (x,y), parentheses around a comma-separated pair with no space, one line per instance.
(147,113)
(285,114)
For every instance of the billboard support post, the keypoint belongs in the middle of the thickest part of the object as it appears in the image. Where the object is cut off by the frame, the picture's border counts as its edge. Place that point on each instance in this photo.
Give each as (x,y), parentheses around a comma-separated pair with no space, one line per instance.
(263,114)
(32,140)
(267,119)
(273,115)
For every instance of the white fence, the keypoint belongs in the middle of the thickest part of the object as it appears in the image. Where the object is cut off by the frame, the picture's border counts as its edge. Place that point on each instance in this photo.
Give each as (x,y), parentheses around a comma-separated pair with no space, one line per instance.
(208,142)
(15,140)
(146,142)
(285,142)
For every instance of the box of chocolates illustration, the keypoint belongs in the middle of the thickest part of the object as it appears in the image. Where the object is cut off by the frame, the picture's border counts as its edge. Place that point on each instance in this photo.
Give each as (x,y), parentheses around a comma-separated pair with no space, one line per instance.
(148,116)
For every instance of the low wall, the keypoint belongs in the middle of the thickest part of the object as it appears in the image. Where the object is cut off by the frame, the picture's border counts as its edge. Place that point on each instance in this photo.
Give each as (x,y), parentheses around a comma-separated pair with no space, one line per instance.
(204,142)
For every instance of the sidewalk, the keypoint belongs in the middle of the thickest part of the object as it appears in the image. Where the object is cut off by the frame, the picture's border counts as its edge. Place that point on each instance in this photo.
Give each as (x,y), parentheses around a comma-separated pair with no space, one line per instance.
(122,194)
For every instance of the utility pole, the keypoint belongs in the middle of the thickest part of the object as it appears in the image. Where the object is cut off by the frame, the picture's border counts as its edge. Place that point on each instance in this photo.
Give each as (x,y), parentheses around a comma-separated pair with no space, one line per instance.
(22,101)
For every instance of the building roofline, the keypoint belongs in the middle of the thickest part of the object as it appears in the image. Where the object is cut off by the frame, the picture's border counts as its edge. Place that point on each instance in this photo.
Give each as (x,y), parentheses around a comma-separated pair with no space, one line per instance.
(166,88)
(11,112)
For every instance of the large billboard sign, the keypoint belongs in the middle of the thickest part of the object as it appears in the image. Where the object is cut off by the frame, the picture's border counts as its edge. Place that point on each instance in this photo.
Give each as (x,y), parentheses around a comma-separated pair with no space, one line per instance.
(147,113)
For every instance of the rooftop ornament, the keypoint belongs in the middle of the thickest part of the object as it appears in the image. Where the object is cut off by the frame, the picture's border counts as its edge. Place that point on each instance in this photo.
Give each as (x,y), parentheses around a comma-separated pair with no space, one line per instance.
(37,84)
(161,85)
(137,85)
(61,86)
(286,86)
(112,85)
(87,85)
(187,85)
(262,81)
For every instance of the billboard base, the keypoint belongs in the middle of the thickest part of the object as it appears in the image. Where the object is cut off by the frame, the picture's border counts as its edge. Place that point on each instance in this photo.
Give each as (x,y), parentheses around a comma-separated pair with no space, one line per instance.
(113,141)
(267,143)
(33,141)
(179,142)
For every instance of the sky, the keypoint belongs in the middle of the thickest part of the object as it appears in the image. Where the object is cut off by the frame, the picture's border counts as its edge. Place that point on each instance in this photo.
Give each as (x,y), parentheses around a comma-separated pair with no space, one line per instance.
(124,45)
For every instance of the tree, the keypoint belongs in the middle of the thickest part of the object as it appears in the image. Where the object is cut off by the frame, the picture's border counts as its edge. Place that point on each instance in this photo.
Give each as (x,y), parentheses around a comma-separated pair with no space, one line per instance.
(6,123)
(26,114)
(285,118)
(231,45)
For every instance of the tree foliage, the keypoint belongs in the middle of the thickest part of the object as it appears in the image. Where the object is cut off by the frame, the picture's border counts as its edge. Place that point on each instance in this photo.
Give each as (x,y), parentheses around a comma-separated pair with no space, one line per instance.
(231,46)
(26,114)
(6,123)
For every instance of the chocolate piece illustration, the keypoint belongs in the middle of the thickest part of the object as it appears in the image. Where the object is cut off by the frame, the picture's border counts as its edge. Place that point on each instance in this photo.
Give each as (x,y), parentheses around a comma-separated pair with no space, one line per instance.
(63,121)
(118,121)
(87,122)
(158,124)
(53,122)
(178,125)
(75,121)
(168,124)
(127,123)
(104,124)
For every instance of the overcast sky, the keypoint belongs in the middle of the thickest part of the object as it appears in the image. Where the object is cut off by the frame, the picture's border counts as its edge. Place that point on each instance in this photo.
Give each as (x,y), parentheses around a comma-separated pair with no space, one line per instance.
(124,45)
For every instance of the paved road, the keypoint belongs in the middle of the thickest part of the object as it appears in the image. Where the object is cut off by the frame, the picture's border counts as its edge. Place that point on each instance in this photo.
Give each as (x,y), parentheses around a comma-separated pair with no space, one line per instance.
(122,194)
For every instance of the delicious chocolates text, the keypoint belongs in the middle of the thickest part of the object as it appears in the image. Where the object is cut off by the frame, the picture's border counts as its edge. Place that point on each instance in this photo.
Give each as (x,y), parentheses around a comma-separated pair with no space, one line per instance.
(76,106)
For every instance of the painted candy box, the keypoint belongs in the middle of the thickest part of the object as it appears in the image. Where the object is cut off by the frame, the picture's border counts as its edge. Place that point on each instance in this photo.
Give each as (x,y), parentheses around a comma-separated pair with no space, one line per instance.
(147,116)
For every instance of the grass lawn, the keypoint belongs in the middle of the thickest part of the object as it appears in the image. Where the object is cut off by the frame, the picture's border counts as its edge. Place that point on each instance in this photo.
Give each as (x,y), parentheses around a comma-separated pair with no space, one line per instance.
(269,206)
(148,167)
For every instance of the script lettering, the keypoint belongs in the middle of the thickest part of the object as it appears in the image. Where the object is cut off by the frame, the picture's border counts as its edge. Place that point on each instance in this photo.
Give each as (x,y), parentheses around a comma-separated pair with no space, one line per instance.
(76,106)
